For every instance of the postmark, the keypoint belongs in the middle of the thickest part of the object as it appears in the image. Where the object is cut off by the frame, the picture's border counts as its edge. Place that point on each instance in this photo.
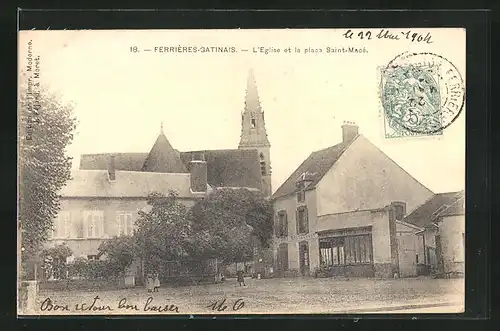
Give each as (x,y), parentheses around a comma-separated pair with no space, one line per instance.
(421,94)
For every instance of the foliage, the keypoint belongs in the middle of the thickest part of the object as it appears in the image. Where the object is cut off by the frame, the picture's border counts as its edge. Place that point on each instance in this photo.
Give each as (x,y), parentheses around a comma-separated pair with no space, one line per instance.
(46,126)
(90,269)
(55,260)
(162,233)
(225,223)
(119,254)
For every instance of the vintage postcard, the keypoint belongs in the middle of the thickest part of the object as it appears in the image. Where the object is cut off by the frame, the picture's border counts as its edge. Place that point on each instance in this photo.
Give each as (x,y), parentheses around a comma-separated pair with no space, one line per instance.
(286,171)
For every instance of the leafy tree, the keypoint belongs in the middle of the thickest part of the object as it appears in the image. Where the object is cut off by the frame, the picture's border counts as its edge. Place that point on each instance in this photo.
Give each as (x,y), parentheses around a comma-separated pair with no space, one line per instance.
(55,260)
(46,126)
(119,254)
(162,233)
(225,223)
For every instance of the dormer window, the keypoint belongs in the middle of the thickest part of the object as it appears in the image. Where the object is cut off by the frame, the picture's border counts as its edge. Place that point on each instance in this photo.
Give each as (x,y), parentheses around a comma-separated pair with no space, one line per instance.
(301,196)
(253,121)
(198,156)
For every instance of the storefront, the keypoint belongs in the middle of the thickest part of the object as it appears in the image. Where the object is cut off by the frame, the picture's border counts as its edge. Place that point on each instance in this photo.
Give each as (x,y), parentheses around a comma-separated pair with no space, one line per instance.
(346,252)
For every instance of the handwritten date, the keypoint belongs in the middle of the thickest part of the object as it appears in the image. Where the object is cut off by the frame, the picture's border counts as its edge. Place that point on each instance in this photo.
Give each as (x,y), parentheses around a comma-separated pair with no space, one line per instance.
(389,35)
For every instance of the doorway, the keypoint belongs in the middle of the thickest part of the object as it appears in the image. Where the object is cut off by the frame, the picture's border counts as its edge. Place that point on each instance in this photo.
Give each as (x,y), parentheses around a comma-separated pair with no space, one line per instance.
(304,258)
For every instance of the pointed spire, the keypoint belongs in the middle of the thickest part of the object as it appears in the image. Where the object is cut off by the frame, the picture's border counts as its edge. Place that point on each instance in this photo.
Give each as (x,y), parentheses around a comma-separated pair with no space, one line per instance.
(253,130)
(252,102)
(161,127)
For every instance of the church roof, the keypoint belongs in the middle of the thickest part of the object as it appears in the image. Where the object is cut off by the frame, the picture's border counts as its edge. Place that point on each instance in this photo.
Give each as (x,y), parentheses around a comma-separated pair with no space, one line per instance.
(230,167)
(123,161)
(163,158)
(439,205)
(315,166)
(128,184)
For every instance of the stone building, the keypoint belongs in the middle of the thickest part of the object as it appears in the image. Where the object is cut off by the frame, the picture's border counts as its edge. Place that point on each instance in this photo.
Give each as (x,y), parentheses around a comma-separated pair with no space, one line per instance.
(104,196)
(342,211)
(441,243)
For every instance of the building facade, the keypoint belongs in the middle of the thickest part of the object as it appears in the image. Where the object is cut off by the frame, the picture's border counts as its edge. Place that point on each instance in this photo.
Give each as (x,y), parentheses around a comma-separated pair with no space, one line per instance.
(441,242)
(342,211)
(103,197)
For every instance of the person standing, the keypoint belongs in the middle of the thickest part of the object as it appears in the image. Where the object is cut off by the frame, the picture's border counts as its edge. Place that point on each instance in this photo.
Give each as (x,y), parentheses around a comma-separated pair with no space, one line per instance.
(241,279)
(149,283)
(156,282)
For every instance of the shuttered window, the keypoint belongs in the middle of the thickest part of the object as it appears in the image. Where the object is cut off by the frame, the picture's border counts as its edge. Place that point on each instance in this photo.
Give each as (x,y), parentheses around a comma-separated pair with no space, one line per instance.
(62,225)
(125,223)
(94,224)
(302,220)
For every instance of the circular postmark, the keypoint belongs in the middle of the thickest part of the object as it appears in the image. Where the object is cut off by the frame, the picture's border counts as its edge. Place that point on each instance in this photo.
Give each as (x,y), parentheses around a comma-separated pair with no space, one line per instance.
(421,93)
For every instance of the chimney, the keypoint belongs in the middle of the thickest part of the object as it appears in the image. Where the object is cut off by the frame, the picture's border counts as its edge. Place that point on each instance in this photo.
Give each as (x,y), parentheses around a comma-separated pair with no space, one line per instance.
(111,169)
(198,170)
(349,131)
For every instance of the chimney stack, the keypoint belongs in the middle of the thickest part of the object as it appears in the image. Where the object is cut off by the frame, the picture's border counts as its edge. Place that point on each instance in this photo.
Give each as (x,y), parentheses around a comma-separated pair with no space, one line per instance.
(111,168)
(198,170)
(349,131)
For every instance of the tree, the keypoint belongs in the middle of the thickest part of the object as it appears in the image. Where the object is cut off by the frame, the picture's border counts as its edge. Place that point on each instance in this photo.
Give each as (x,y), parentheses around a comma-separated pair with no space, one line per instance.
(225,223)
(46,126)
(162,233)
(119,252)
(55,260)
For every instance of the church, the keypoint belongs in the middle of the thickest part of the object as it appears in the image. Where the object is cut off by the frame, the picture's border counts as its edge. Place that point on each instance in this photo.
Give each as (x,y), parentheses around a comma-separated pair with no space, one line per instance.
(103,197)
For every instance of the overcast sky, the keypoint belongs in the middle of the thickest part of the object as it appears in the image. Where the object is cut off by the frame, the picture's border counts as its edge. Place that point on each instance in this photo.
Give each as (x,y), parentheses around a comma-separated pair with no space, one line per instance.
(121,97)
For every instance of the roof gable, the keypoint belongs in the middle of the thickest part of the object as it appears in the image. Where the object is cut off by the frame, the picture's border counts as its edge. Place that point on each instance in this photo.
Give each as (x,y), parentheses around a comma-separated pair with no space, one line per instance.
(317,165)
(163,158)
(441,204)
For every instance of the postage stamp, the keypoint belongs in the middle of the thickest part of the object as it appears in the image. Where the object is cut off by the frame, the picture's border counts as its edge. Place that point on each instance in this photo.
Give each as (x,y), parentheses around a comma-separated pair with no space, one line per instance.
(421,94)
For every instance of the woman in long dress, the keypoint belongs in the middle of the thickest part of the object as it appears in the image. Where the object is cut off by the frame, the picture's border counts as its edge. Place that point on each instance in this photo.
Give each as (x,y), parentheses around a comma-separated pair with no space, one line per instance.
(149,283)
(156,282)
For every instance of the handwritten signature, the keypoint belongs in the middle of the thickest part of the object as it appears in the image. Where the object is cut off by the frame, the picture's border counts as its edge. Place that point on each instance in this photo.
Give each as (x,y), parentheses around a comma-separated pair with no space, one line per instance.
(220,305)
(389,35)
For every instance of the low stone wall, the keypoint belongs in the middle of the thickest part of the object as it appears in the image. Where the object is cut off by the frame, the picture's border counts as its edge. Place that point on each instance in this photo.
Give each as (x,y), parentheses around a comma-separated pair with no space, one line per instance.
(27,296)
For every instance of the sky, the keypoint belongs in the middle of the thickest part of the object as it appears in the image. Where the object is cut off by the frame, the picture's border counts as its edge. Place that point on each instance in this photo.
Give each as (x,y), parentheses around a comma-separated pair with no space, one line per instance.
(121,97)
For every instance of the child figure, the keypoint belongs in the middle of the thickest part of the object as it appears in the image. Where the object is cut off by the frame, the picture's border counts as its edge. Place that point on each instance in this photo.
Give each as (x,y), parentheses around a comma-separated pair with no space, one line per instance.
(241,279)
(156,282)
(149,283)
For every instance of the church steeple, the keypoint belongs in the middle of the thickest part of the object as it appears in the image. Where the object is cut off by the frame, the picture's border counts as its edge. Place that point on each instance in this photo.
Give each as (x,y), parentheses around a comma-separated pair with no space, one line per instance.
(253,132)
(253,129)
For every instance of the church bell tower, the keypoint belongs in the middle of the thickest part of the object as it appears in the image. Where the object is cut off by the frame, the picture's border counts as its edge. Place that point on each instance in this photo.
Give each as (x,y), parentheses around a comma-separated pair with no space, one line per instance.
(253,133)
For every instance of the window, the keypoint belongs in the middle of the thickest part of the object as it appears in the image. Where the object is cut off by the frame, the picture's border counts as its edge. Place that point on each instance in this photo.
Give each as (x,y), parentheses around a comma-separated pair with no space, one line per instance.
(62,225)
(283,257)
(302,220)
(301,196)
(281,227)
(92,257)
(94,224)
(346,250)
(399,210)
(125,224)
(253,121)
(262,164)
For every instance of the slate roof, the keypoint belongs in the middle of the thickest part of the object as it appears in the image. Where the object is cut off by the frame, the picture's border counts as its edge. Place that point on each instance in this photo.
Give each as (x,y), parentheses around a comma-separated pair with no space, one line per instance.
(441,204)
(317,165)
(163,158)
(123,161)
(230,167)
(132,184)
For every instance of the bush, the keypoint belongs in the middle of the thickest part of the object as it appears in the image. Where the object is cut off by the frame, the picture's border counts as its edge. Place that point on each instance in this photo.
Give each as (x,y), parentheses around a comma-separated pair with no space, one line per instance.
(93,269)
